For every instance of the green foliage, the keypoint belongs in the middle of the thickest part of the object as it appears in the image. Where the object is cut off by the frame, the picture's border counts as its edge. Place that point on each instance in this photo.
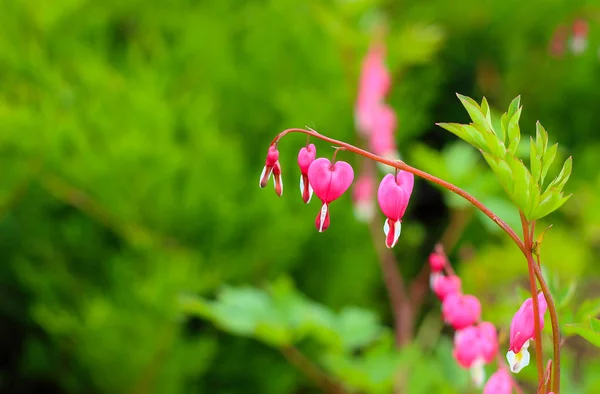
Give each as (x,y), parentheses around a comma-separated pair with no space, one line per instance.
(524,186)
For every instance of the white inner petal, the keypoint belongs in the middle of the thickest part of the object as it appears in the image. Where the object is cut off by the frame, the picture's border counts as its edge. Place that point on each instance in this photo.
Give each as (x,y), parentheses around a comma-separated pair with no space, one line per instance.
(518,361)
(301,185)
(322,217)
(397,230)
(478,373)
(262,174)
(386,227)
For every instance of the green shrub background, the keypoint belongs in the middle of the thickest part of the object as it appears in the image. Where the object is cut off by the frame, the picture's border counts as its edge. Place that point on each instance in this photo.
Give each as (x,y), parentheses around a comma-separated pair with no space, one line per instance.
(132,136)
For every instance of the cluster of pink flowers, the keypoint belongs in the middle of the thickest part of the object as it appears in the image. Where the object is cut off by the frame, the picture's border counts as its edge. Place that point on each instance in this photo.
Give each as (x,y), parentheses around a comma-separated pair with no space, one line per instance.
(476,342)
(330,179)
(376,122)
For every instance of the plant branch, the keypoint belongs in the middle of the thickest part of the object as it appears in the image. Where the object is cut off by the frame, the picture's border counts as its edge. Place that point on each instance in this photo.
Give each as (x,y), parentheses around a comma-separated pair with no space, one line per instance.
(503,225)
(539,357)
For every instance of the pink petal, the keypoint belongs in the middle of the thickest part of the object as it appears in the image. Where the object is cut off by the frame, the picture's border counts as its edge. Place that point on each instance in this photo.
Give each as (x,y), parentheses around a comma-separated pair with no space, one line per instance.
(329,181)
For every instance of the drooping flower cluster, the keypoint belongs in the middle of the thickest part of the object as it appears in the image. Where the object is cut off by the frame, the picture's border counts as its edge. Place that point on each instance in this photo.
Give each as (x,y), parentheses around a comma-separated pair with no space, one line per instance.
(475,342)
(329,180)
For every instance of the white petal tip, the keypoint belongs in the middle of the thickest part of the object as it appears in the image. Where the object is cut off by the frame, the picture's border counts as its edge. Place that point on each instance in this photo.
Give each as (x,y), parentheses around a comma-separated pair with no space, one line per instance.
(518,361)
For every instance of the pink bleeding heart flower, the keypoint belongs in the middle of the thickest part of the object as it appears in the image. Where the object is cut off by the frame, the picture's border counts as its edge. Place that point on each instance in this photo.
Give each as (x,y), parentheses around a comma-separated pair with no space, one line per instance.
(305,157)
(522,330)
(445,285)
(329,181)
(499,383)
(363,197)
(461,311)
(475,346)
(393,196)
(579,40)
(272,167)
(373,85)
(437,262)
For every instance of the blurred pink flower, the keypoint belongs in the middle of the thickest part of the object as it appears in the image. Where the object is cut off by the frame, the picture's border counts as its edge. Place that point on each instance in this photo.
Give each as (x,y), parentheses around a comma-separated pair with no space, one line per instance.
(461,311)
(363,197)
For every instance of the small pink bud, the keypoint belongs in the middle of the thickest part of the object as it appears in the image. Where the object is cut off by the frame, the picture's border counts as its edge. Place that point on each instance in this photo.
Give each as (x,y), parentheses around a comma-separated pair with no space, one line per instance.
(460,310)
(305,157)
(272,166)
(522,330)
(363,197)
(393,196)
(499,383)
(445,285)
(329,181)
(437,262)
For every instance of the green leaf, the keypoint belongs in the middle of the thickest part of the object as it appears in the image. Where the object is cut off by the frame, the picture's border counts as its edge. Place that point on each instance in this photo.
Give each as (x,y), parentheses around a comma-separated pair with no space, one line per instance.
(587,331)
(357,327)
(550,201)
(522,185)
(475,112)
(514,132)
(494,145)
(559,182)
(467,133)
(514,106)
(541,138)
(547,161)
(502,170)
(535,160)
(595,325)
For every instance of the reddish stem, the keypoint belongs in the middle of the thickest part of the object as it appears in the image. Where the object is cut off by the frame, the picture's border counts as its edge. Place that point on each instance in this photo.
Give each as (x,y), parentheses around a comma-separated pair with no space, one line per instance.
(539,358)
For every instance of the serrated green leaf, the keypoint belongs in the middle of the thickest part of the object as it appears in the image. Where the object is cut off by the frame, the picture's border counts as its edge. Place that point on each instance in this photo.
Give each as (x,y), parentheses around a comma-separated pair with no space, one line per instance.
(550,201)
(485,108)
(547,161)
(534,160)
(475,112)
(514,132)
(559,182)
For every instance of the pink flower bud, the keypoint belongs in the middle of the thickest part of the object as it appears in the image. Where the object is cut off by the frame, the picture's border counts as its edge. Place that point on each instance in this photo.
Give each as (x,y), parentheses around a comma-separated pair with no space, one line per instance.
(393,196)
(437,262)
(305,157)
(499,383)
(461,311)
(522,330)
(329,181)
(272,166)
(445,285)
(363,197)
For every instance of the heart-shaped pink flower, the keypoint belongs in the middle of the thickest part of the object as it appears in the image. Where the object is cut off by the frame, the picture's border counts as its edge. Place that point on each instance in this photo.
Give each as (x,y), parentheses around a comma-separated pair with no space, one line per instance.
(329,181)
(393,196)
(305,157)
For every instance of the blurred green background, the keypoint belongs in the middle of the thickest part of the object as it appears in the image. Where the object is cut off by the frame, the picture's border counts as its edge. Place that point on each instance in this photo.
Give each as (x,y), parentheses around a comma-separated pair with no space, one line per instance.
(132,136)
